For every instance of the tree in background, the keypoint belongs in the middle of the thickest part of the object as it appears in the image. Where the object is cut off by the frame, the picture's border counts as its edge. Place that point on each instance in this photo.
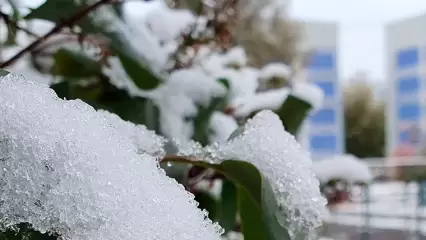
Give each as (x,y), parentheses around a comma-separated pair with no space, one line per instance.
(364,119)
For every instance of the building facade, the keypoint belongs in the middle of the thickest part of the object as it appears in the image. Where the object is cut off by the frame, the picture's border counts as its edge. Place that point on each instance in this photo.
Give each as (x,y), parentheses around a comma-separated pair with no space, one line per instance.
(323,131)
(406,66)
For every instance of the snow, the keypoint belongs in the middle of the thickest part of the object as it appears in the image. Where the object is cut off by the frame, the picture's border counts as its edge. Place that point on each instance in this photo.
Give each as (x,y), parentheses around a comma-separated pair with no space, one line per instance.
(138,134)
(282,160)
(119,78)
(222,126)
(196,84)
(272,99)
(168,24)
(235,56)
(345,167)
(309,93)
(142,42)
(65,168)
(272,70)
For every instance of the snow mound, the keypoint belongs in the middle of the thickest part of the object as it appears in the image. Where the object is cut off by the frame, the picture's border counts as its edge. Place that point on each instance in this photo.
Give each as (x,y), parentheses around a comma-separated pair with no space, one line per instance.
(346,167)
(282,160)
(66,169)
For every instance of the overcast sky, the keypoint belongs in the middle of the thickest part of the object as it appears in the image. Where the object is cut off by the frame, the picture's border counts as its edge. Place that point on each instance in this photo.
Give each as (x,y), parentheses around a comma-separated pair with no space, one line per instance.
(362,25)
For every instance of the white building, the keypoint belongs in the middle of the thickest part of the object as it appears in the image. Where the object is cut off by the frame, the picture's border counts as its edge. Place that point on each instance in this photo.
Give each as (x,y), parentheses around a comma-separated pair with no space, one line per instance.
(323,132)
(406,65)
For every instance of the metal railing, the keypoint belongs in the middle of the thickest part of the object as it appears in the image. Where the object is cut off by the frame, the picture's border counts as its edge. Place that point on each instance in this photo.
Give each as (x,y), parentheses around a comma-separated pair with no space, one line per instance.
(407,204)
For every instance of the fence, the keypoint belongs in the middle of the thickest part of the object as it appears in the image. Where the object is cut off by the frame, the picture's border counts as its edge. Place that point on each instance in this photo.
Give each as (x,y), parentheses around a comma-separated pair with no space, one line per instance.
(387,204)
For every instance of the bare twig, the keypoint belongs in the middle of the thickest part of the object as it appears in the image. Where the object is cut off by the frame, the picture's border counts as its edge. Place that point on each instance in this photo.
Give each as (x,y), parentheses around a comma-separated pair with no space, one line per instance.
(67,23)
(14,24)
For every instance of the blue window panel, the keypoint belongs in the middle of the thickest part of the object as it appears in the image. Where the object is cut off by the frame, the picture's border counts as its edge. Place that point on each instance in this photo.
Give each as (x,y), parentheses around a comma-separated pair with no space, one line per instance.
(408,85)
(320,60)
(409,111)
(407,57)
(324,116)
(327,88)
(323,143)
(403,137)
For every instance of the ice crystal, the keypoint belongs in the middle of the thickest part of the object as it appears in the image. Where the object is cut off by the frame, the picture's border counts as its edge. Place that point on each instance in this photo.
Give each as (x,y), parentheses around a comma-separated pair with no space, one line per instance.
(66,169)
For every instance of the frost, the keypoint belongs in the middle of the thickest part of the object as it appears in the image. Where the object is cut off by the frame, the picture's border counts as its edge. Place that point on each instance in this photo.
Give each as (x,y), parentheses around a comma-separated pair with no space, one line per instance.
(283,161)
(345,167)
(65,168)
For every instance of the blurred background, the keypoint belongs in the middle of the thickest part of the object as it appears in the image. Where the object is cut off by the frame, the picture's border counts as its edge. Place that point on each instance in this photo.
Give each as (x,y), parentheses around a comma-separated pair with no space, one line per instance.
(367,140)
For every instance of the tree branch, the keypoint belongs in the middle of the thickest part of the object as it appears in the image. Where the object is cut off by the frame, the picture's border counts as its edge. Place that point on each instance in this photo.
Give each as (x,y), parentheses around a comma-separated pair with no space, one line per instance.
(68,22)
(14,24)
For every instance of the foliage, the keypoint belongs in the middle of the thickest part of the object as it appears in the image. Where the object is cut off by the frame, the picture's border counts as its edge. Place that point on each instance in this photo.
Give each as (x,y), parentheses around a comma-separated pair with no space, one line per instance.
(247,202)
(364,120)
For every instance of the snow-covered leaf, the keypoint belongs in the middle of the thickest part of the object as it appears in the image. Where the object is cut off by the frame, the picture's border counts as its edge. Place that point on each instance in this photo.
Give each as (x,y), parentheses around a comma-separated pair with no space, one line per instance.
(292,113)
(66,169)
(283,162)
(3,72)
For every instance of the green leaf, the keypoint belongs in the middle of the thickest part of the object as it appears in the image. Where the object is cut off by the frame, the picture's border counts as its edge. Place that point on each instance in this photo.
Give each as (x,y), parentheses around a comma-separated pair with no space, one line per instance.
(208,202)
(270,208)
(257,205)
(253,225)
(3,72)
(130,58)
(49,10)
(228,206)
(119,9)
(141,76)
(202,120)
(25,231)
(74,64)
(292,113)
(244,174)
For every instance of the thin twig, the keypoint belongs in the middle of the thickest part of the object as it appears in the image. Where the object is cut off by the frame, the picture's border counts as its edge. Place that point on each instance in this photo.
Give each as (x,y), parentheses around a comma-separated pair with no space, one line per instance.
(67,23)
(16,25)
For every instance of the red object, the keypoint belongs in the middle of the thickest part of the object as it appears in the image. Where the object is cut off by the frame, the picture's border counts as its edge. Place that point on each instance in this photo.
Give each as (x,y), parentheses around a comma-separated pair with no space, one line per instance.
(401,154)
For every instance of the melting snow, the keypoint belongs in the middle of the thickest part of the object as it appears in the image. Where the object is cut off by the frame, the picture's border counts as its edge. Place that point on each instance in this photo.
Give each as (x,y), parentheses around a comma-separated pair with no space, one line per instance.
(65,168)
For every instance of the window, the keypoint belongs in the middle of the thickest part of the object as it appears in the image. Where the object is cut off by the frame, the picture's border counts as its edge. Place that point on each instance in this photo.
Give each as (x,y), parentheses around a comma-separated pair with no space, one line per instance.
(403,137)
(327,88)
(323,143)
(324,116)
(321,61)
(408,57)
(409,111)
(408,85)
